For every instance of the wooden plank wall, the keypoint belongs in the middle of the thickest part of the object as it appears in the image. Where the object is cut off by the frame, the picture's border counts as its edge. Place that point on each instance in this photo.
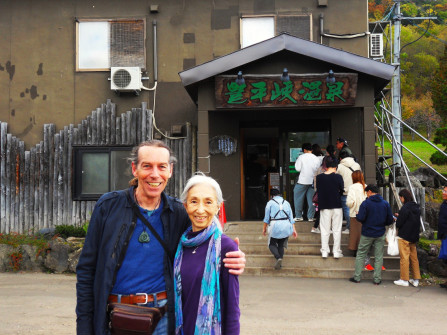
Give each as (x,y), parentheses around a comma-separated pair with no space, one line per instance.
(36,185)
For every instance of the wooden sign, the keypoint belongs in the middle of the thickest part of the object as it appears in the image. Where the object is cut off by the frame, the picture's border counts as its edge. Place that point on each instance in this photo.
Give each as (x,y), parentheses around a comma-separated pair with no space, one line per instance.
(301,90)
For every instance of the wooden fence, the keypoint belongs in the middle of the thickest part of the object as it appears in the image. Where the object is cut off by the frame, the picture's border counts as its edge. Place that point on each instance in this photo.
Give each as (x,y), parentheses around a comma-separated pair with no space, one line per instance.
(36,185)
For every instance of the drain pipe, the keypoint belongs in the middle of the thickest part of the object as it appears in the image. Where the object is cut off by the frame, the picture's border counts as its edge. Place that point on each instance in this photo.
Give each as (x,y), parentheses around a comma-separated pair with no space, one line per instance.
(154,23)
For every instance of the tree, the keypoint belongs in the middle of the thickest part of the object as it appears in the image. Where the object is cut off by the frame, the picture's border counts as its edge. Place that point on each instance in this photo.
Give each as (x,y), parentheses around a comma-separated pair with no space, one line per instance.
(439,87)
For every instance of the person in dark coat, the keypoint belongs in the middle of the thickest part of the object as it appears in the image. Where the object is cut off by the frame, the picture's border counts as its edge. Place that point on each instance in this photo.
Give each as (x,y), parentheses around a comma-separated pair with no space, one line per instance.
(374,214)
(407,223)
(442,222)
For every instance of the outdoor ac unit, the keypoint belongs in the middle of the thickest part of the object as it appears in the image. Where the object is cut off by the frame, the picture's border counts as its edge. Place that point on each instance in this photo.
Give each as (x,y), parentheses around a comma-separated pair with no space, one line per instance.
(125,79)
(376,45)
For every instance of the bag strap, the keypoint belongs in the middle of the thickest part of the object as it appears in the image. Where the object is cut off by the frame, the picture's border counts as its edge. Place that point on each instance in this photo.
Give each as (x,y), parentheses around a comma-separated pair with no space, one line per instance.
(136,212)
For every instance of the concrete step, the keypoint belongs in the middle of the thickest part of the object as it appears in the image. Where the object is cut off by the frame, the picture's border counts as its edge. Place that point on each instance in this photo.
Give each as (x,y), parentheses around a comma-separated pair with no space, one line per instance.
(318,262)
(338,273)
(302,257)
(256,226)
(257,248)
(247,237)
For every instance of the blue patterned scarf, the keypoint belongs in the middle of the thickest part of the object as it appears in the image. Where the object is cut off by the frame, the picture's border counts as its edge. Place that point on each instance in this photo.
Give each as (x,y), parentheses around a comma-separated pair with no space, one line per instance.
(208,320)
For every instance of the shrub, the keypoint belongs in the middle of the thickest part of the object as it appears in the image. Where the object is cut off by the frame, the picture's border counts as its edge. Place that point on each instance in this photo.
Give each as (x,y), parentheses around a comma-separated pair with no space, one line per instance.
(70,231)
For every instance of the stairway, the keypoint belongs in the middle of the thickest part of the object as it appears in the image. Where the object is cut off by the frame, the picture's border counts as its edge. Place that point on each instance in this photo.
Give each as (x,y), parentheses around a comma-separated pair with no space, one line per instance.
(302,257)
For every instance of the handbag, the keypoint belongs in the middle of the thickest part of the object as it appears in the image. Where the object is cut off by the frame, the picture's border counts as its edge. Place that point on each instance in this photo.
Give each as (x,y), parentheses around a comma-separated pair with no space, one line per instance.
(443,250)
(391,237)
(315,198)
(126,319)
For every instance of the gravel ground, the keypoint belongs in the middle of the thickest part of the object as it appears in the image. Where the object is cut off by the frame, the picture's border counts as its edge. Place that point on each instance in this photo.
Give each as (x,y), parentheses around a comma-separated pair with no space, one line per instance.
(37,303)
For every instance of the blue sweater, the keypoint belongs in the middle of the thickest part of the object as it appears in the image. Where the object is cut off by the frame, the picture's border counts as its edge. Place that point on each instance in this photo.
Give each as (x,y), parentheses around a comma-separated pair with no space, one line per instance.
(374,214)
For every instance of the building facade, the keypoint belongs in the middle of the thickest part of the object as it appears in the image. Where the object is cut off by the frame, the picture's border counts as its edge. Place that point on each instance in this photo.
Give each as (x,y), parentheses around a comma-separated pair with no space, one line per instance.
(60,61)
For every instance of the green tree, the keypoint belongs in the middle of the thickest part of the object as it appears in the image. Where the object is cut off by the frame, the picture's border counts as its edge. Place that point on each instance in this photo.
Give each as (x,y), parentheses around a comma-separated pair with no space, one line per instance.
(439,87)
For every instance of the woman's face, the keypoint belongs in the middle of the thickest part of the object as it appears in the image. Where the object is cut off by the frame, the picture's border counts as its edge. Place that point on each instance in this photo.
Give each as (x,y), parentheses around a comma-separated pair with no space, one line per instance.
(201,206)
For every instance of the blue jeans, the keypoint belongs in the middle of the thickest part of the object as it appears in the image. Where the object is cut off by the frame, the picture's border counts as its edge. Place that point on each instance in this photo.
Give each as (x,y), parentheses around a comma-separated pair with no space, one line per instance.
(162,326)
(345,211)
(299,192)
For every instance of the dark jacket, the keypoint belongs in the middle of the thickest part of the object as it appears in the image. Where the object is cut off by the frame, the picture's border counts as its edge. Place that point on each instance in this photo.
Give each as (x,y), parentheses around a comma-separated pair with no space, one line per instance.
(409,221)
(442,222)
(330,188)
(374,214)
(110,229)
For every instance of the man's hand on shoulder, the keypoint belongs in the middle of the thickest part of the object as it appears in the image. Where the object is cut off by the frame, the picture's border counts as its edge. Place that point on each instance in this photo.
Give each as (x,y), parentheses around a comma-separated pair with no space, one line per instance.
(235,260)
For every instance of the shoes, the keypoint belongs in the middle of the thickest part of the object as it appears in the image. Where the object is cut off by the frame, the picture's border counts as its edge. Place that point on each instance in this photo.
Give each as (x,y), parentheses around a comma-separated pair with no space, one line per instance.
(377,282)
(324,254)
(354,280)
(346,231)
(369,267)
(278,264)
(298,219)
(338,256)
(414,282)
(315,230)
(311,220)
(401,282)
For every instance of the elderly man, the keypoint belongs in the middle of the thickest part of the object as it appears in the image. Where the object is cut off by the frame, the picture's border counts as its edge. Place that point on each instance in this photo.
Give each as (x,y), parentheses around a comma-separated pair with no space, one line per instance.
(122,260)
(342,146)
(307,165)
(374,214)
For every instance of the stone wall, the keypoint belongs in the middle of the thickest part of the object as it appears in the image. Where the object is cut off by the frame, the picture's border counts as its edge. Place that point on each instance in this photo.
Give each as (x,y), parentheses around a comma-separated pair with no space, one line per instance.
(62,256)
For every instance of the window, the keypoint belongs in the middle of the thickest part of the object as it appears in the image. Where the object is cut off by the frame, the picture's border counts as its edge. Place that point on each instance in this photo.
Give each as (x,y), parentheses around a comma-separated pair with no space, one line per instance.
(260,28)
(105,43)
(98,170)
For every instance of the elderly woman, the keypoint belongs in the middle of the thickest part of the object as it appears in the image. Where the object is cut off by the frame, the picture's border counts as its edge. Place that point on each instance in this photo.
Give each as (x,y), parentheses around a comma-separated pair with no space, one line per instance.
(207,295)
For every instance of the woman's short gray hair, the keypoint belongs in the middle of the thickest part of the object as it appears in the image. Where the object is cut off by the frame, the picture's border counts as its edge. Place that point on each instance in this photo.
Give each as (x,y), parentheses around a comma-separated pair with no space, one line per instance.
(200,178)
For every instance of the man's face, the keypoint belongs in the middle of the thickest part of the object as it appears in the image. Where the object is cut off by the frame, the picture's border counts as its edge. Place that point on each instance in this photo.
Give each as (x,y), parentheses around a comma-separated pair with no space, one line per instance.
(444,193)
(368,193)
(153,171)
(339,145)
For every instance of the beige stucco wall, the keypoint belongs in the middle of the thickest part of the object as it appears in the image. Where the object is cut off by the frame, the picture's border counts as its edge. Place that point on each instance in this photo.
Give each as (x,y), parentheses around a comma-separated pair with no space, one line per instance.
(38,40)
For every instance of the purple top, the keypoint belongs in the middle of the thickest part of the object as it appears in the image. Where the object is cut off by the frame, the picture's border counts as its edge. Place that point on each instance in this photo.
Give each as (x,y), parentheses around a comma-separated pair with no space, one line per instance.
(193,265)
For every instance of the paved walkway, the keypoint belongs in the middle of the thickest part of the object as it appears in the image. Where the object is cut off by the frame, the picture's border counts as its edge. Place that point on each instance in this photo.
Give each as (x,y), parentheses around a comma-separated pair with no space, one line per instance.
(36,303)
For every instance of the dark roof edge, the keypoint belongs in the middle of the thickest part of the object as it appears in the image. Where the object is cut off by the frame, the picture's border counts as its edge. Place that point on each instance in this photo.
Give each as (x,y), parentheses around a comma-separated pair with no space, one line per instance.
(288,42)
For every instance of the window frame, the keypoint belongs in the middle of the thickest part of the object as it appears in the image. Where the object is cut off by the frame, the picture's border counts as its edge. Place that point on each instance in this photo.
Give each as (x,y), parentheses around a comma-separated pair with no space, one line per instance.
(275,22)
(79,21)
(78,151)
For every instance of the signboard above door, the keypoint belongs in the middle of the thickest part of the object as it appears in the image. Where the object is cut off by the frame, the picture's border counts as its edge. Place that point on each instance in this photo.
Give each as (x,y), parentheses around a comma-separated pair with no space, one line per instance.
(258,91)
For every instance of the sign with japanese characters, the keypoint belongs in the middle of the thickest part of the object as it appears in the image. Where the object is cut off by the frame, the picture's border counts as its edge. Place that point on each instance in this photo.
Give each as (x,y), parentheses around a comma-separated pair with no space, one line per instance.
(301,90)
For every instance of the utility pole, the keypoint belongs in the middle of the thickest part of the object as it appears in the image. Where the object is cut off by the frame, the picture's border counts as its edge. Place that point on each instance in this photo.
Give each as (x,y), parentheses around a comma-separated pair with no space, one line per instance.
(395,88)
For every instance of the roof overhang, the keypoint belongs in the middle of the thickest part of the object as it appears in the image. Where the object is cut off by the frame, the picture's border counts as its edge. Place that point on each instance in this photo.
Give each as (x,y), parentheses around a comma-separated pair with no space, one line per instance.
(381,73)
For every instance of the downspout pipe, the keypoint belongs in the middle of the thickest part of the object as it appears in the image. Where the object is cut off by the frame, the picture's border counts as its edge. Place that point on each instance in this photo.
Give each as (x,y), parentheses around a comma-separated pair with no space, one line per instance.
(154,23)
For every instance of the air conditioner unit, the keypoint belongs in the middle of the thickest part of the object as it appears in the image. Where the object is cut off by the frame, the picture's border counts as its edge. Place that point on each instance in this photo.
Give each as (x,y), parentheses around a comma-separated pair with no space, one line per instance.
(376,47)
(125,78)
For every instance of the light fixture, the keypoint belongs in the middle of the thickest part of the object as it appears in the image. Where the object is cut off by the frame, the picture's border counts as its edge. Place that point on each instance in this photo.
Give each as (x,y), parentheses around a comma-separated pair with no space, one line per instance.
(285,75)
(240,80)
(331,77)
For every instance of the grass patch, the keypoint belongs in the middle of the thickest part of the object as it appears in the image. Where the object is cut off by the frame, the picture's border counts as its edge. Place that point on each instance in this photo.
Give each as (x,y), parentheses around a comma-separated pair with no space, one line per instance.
(425,243)
(419,148)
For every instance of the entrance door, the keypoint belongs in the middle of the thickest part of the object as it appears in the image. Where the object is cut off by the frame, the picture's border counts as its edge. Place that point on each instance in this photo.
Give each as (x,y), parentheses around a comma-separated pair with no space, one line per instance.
(260,167)
(293,141)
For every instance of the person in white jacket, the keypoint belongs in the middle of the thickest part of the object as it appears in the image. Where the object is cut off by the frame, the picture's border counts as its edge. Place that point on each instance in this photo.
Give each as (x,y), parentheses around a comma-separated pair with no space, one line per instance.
(345,168)
(356,195)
